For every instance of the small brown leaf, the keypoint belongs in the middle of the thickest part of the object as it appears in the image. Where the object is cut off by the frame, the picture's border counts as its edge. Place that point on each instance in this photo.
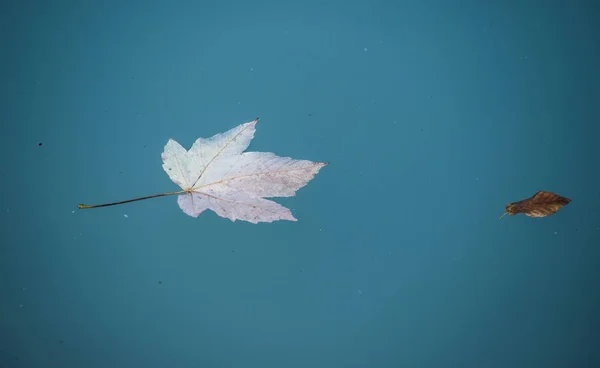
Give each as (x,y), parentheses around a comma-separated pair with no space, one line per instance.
(542,204)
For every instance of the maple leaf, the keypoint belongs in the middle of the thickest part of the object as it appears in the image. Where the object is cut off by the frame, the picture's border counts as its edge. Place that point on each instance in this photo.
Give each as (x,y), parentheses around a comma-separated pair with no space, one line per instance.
(541,204)
(216,174)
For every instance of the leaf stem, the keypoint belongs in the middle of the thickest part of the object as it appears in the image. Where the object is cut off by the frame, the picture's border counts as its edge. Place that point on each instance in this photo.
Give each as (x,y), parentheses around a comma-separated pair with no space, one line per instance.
(85,206)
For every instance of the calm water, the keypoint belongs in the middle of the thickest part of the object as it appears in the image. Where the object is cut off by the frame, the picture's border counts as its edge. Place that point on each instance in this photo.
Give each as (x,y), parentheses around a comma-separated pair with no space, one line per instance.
(433,115)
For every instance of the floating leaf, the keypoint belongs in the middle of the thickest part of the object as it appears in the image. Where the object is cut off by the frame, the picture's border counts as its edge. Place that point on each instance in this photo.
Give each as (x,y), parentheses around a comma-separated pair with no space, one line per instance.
(540,205)
(217,174)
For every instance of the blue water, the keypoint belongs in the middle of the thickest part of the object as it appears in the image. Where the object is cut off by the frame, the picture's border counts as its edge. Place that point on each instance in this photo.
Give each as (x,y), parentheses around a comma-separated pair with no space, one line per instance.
(433,114)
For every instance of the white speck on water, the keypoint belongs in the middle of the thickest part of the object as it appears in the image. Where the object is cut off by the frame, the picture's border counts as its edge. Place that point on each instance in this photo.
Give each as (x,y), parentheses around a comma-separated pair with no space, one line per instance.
(366,49)
(73,212)
(126,216)
(556,233)
(251,69)
(360,292)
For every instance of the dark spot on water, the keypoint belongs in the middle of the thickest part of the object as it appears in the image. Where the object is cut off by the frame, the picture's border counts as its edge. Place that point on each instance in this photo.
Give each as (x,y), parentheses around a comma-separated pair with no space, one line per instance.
(40,144)
(160,282)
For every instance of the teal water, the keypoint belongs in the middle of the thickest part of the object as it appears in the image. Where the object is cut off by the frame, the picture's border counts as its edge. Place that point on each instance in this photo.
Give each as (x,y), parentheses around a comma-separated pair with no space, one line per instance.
(434,115)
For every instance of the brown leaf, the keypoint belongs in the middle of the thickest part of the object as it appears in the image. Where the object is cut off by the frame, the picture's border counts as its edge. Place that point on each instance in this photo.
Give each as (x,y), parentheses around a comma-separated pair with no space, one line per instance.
(541,204)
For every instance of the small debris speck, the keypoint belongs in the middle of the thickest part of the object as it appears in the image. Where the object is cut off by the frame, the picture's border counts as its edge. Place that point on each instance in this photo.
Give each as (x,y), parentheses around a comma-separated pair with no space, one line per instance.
(40,144)
(126,216)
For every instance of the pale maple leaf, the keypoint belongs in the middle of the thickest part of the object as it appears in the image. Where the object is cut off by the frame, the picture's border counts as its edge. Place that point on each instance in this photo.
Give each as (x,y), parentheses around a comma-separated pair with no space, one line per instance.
(216,174)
